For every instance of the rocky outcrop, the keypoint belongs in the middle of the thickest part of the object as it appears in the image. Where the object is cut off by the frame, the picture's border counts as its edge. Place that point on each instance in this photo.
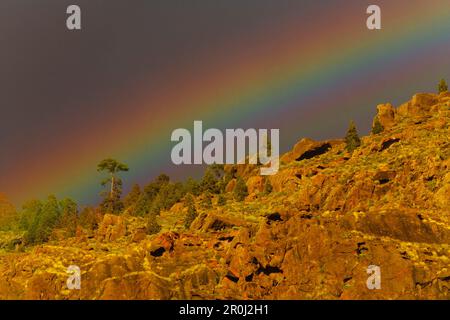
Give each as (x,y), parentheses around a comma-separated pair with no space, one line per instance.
(420,105)
(307,149)
(386,115)
(112,228)
(330,216)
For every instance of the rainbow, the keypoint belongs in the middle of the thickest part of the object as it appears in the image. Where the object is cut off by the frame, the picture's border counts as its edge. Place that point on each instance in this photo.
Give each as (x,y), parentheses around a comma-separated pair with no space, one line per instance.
(305,78)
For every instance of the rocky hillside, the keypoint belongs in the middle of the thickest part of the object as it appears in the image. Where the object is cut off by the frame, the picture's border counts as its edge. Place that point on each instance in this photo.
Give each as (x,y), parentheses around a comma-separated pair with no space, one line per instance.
(330,215)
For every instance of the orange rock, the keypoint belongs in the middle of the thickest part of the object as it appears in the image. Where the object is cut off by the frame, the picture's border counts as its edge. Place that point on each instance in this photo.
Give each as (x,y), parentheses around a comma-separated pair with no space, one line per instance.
(386,115)
(255,184)
(112,227)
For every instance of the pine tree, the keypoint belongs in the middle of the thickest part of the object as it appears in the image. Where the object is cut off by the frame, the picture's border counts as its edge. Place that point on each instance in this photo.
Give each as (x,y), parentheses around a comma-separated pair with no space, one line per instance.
(29,219)
(69,216)
(142,205)
(377,126)
(442,87)
(352,138)
(240,190)
(133,196)
(192,212)
(111,202)
(209,182)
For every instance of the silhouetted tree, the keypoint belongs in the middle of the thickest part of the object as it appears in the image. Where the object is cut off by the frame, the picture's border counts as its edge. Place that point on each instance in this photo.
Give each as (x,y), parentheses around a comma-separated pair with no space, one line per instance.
(352,139)
(111,200)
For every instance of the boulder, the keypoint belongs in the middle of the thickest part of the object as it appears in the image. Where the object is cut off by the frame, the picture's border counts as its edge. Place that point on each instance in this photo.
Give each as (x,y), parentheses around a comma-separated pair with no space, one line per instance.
(255,184)
(386,115)
(419,105)
(112,228)
(307,149)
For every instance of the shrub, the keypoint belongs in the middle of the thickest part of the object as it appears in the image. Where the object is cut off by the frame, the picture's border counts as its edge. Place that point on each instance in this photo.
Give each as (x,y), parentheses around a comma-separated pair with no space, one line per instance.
(192,187)
(40,218)
(377,126)
(133,196)
(206,201)
(240,190)
(442,87)
(153,226)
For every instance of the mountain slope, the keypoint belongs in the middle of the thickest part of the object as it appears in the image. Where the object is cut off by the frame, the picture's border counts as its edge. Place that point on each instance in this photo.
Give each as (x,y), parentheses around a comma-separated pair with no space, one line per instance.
(330,216)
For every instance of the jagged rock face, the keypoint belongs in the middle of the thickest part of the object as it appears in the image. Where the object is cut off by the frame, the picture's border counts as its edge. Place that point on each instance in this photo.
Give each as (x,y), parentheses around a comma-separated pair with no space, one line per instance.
(112,228)
(386,115)
(307,149)
(330,216)
(420,105)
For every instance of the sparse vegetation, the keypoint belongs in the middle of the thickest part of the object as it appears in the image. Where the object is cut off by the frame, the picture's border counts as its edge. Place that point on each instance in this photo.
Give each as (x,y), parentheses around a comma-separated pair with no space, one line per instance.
(398,194)
(152,224)
(191,211)
(207,200)
(40,218)
(377,126)
(240,190)
(221,200)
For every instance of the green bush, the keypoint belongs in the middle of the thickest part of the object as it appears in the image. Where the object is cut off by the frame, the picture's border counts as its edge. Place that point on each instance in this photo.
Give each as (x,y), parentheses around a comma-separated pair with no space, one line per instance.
(40,218)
